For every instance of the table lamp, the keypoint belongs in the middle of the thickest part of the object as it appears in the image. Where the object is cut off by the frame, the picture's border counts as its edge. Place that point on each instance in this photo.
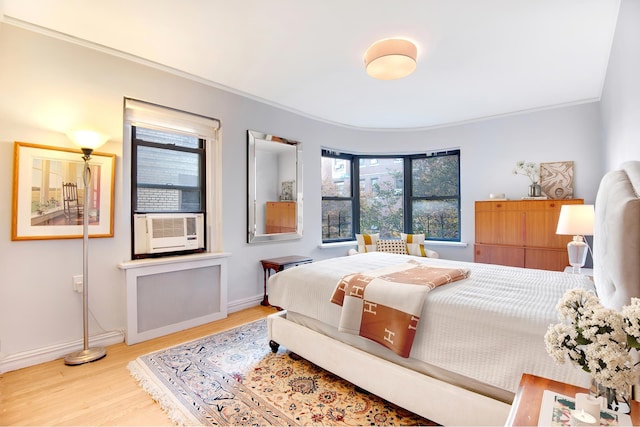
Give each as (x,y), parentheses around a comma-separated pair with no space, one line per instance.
(576,220)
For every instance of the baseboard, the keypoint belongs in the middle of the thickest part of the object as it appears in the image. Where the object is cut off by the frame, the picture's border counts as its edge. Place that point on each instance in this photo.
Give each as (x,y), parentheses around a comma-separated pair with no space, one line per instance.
(46,354)
(243,304)
(53,352)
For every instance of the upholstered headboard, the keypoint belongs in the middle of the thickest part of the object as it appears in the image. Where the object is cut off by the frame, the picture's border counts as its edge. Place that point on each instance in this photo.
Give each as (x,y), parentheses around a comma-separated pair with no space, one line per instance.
(616,238)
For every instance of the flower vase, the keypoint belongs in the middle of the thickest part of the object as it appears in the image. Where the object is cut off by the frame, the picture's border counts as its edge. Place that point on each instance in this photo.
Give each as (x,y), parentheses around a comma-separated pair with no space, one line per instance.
(615,400)
(535,190)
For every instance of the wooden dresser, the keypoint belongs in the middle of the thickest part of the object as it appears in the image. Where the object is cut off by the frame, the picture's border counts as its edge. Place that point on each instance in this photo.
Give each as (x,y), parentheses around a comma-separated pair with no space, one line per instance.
(281,217)
(521,233)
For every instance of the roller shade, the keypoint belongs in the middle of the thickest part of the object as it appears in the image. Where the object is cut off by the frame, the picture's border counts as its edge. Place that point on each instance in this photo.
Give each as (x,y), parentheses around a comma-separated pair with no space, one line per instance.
(144,114)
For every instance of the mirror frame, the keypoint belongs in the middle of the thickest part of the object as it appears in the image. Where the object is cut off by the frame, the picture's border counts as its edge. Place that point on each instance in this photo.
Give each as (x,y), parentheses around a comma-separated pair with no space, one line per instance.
(252,235)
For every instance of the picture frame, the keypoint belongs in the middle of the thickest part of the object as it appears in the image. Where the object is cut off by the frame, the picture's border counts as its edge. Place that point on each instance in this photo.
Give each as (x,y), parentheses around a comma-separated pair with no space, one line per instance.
(287,190)
(48,193)
(556,180)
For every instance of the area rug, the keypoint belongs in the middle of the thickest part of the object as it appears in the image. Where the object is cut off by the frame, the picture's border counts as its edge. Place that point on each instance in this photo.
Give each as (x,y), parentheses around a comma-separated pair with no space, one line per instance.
(233,379)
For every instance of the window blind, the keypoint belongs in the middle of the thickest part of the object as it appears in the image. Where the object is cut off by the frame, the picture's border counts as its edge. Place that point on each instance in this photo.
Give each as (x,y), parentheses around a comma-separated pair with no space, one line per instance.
(145,114)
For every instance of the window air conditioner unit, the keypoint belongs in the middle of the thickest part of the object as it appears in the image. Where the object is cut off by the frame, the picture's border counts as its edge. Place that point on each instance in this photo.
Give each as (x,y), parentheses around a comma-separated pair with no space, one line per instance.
(162,233)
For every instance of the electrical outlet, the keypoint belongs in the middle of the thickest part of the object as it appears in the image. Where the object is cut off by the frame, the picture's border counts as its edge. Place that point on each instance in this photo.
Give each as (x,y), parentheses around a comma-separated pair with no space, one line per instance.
(77,283)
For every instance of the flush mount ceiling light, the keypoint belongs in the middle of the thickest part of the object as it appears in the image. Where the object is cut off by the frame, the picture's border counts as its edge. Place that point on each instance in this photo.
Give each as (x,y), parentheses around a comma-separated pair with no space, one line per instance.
(391,59)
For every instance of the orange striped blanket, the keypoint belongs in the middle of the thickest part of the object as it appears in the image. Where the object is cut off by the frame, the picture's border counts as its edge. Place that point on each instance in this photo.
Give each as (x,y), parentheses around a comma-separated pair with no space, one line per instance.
(384,305)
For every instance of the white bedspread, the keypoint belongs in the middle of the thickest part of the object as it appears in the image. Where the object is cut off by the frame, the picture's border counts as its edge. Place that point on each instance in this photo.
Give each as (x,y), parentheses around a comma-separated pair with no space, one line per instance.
(385,304)
(489,327)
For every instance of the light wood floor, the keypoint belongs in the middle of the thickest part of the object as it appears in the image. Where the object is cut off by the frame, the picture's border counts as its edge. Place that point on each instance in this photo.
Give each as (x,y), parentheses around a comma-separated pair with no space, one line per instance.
(97,393)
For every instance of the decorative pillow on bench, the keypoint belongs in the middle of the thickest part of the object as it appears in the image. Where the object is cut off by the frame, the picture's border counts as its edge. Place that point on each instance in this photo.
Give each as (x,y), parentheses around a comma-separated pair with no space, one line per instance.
(367,242)
(394,246)
(415,245)
(413,242)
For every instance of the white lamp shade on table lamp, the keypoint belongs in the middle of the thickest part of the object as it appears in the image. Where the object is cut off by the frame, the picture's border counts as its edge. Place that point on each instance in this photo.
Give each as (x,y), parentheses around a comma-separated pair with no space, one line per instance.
(578,221)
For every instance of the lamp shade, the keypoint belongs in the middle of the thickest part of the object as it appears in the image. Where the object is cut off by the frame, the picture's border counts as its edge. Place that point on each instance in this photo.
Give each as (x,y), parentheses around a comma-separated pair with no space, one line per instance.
(576,220)
(391,59)
(87,138)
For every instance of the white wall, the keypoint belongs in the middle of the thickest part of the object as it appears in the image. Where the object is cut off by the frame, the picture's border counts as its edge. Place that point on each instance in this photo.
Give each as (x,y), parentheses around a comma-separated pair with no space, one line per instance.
(267,186)
(287,163)
(621,93)
(49,86)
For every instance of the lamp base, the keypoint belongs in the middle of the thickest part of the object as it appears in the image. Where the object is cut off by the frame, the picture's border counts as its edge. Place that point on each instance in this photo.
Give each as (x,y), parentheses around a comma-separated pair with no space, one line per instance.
(85,356)
(576,269)
(577,250)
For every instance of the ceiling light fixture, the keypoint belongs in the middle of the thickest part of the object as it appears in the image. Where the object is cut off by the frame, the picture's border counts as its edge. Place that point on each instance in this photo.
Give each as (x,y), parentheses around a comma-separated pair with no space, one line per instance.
(391,59)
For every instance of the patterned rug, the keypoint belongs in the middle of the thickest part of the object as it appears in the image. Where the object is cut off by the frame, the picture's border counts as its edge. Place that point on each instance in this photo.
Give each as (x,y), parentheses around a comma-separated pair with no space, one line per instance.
(233,379)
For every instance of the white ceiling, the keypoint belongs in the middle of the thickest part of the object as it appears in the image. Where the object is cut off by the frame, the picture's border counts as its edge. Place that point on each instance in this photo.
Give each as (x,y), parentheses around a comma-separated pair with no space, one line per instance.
(476,58)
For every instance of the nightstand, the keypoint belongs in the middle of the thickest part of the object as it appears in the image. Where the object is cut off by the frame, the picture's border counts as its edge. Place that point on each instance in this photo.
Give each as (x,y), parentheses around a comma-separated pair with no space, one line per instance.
(279,264)
(525,408)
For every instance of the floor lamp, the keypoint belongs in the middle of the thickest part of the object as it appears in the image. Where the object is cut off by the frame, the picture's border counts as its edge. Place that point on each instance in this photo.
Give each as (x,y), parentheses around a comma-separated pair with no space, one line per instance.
(87,141)
(576,220)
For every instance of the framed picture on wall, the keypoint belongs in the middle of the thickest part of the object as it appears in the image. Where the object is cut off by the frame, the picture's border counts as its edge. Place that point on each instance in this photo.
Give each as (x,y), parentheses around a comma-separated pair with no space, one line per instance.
(48,193)
(556,180)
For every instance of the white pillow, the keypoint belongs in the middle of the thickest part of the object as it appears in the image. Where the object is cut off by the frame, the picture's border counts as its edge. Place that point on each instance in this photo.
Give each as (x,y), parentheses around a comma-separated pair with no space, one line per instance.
(394,246)
(367,242)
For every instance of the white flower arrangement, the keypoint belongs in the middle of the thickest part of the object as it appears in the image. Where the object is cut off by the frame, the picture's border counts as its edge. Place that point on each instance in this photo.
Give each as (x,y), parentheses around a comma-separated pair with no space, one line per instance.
(528,169)
(596,338)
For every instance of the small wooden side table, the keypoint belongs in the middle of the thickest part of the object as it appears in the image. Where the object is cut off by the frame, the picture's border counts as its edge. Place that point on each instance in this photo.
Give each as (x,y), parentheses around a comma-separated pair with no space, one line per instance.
(279,264)
(525,409)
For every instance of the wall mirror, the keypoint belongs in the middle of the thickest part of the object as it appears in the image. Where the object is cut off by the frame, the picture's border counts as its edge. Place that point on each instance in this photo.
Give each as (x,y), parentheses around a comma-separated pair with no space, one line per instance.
(274,193)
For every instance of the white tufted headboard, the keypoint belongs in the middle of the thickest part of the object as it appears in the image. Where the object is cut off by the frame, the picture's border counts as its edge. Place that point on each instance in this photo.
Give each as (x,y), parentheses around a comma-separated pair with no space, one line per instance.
(616,238)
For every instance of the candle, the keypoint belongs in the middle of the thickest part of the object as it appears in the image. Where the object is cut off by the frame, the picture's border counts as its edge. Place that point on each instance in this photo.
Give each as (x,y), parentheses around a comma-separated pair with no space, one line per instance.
(591,405)
(580,418)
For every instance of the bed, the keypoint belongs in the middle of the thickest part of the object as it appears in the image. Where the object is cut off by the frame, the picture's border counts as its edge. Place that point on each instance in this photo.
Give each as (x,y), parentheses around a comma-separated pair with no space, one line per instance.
(475,336)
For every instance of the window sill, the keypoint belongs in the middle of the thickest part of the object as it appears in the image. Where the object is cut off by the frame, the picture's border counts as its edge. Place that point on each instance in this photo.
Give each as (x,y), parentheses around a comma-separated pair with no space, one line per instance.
(175,259)
(428,243)
(449,244)
(338,244)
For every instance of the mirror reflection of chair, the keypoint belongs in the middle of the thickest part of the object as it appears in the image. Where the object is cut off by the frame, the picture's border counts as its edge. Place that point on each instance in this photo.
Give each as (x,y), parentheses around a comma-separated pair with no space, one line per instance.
(70,201)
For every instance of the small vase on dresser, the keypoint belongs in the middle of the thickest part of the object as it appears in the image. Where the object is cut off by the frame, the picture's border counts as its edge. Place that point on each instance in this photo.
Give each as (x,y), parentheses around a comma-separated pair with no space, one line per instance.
(535,190)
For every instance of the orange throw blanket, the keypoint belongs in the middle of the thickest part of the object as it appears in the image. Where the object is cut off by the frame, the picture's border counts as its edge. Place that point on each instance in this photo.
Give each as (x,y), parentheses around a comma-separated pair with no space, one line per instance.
(384,305)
